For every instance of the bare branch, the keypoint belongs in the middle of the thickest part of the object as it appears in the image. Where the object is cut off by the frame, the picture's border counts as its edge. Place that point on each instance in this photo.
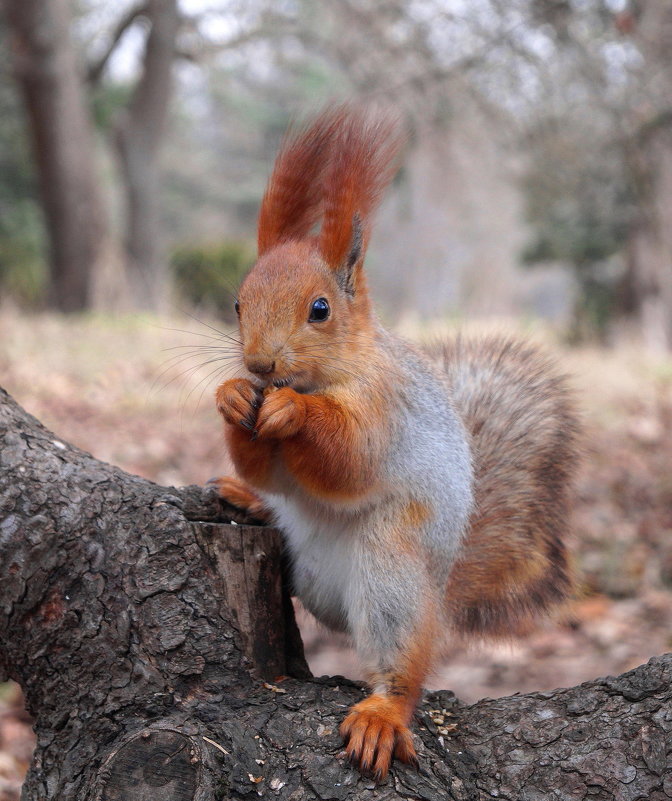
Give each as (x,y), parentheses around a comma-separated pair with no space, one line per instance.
(96,69)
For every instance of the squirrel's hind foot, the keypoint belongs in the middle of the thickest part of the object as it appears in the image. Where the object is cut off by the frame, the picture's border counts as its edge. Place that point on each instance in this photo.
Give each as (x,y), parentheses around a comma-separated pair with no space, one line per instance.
(374,731)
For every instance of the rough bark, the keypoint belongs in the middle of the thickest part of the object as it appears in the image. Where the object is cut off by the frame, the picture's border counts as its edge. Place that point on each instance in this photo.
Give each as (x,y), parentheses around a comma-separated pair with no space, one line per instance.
(120,615)
(139,133)
(61,132)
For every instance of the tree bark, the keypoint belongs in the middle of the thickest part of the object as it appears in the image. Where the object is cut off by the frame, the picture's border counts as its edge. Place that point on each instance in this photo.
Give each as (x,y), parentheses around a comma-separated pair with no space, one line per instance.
(121,616)
(139,133)
(61,131)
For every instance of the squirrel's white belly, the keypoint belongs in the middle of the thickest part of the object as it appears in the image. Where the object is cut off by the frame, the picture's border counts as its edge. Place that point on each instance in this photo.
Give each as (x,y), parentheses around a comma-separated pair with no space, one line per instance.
(321,549)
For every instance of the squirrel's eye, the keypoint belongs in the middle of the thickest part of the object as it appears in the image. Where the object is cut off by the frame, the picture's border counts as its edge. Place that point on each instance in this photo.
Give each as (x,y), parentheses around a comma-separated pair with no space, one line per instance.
(236,306)
(319,311)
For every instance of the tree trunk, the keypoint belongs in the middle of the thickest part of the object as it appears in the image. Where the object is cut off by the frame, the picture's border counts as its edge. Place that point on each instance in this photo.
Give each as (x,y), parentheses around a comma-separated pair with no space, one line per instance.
(128,613)
(139,133)
(650,247)
(61,133)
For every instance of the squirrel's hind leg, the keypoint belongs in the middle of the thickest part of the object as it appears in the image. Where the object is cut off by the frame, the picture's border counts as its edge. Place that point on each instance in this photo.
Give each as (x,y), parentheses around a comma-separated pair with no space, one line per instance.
(376,729)
(241,496)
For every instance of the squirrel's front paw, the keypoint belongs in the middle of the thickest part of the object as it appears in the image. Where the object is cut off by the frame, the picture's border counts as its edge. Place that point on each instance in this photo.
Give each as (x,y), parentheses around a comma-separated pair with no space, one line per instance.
(238,401)
(282,414)
(240,495)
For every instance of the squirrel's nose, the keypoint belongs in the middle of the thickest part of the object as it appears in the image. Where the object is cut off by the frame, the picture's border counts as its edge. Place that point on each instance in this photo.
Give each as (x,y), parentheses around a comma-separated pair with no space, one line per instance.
(260,365)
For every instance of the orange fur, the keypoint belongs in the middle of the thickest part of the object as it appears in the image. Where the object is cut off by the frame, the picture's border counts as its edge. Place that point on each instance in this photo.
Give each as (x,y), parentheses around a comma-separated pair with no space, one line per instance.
(362,164)
(403,538)
(375,730)
(336,167)
(282,415)
(240,495)
(253,460)
(293,200)
(322,439)
(298,274)
(415,515)
(318,439)
(237,402)
(327,456)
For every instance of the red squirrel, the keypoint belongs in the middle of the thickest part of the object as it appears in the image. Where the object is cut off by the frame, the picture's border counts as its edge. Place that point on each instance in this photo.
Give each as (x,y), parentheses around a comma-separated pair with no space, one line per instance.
(422,495)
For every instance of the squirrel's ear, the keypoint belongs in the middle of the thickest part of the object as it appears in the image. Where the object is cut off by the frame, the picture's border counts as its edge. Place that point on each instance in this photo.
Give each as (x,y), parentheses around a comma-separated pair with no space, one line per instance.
(346,273)
(361,163)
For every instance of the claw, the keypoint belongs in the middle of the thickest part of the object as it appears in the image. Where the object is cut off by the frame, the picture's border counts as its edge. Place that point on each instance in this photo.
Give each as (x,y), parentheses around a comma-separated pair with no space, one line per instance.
(374,731)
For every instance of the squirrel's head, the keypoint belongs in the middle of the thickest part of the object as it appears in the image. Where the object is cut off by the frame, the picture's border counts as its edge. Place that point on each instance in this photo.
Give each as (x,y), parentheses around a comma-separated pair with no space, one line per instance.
(304,309)
(299,319)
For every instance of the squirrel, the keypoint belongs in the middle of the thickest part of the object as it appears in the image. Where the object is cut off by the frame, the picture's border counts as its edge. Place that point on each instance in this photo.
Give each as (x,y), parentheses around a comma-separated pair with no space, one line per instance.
(421,494)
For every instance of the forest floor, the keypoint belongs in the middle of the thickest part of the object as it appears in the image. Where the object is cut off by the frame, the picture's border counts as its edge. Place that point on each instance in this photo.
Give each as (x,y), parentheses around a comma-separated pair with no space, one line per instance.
(137,392)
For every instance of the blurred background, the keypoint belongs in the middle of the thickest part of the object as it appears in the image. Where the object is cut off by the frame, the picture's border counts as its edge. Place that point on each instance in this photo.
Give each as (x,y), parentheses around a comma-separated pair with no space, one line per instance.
(136,138)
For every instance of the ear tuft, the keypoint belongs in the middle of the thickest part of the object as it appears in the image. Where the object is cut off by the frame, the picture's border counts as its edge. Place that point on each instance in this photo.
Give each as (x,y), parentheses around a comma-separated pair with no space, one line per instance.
(293,202)
(335,169)
(357,242)
(363,162)
(346,273)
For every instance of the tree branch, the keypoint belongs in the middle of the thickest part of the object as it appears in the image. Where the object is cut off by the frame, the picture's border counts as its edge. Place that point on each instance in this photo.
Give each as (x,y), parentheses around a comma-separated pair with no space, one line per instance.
(96,69)
(121,618)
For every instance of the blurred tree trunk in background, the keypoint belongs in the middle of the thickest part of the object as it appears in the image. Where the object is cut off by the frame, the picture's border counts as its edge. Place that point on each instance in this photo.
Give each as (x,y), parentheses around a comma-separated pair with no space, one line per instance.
(61,132)
(139,133)
(650,245)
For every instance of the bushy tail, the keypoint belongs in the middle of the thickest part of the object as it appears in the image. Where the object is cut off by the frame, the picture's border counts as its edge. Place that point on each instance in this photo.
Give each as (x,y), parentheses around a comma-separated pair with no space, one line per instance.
(514,566)
(335,169)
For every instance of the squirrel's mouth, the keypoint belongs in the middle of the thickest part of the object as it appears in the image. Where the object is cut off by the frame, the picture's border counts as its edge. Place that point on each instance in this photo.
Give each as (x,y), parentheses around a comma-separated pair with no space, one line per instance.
(297,381)
(293,380)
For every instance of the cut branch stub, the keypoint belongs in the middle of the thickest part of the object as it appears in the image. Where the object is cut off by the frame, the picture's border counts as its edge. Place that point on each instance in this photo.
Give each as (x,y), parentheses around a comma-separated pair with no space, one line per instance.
(249,557)
(154,765)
